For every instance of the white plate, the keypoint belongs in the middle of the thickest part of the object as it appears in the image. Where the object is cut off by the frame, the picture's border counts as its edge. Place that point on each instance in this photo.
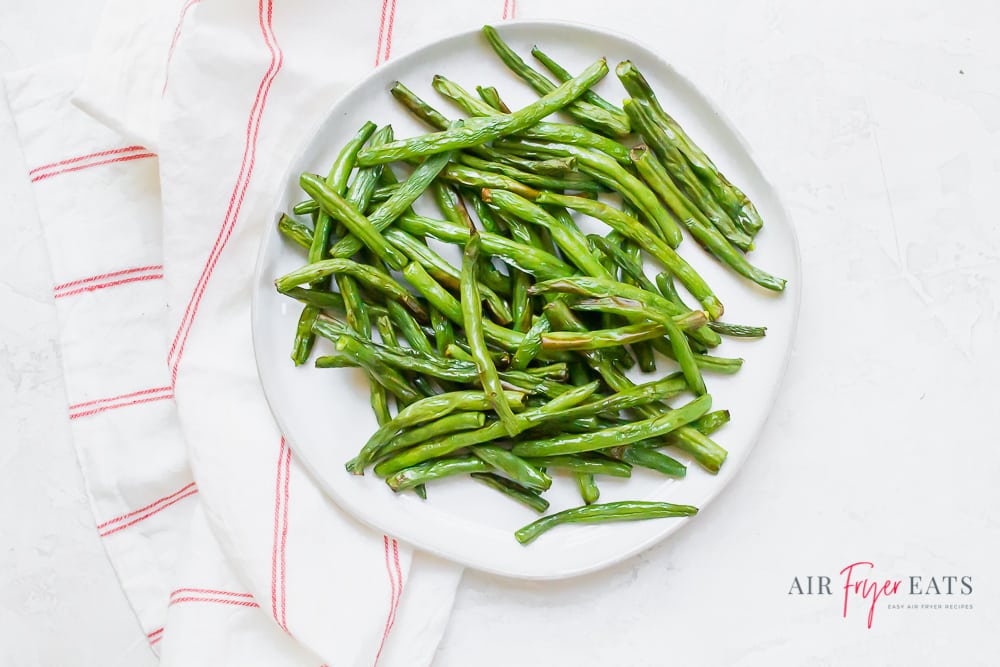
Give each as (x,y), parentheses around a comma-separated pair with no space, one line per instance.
(325,413)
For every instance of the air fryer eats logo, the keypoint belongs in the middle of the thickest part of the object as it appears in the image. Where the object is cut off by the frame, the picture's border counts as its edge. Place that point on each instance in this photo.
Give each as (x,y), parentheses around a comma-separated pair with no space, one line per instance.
(862,590)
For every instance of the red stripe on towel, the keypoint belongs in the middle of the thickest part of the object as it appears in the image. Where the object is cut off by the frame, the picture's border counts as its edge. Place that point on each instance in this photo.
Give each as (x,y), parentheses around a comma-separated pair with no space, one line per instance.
(142,517)
(106,276)
(126,158)
(239,189)
(81,158)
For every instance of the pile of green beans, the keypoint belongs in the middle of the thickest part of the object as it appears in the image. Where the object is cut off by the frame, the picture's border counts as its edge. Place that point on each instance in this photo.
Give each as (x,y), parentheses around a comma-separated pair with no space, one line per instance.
(511,368)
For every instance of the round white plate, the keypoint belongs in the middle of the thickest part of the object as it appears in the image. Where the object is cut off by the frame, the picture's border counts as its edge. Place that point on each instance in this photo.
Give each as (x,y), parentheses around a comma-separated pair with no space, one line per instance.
(325,413)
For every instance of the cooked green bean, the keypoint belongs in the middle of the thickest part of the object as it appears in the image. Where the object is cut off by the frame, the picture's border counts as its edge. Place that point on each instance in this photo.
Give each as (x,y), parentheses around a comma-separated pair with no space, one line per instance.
(569,238)
(425,410)
(529,178)
(480,130)
(443,272)
(584,112)
(631,228)
(398,204)
(631,510)
(448,444)
(362,272)
(458,421)
(558,132)
(541,264)
(434,470)
(472,314)
(607,171)
(295,231)
(514,467)
(711,422)
(732,199)
(647,457)
(491,96)
(561,74)
(516,491)
(588,487)
(737,330)
(617,435)
(586,464)
(709,237)
(530,345)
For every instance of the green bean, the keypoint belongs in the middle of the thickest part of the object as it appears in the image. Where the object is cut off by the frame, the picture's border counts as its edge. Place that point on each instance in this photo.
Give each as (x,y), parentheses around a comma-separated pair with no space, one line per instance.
(617,435)
(471,177)
(709,237)
(478,131)
(442,271)
(530,345)
(514,490)
(458,421)
(295,231)
(450,204)
(434,470)
(629,227)
(473,316)
(559,132)
(607,171)
(340,209)
(336,182)
(730,197)
(460,350)
(418,107)
(696,198)
(737,330)
(707,362)
(620,257)
(691,321)
(336,361)
(491,96)
(444,333)
(556,166)
(537,180)
(562,75)
(576,463)
(570,240)
(711,422)
(514,467)
(541,264)
(448,444)
(631,510)
(322,299)
(388,377)
(520,301)
(368,275)
(647,457)
(436,120)
(656,309)
(642,350)
(398,204)
(450,307)
(584,112)
(306,207)
(588,487)
(601,338)
(304,337)
(409,327)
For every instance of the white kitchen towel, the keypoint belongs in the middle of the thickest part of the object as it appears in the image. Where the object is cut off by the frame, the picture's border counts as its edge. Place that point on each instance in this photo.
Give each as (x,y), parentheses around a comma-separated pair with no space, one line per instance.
(98,201)
(245,85)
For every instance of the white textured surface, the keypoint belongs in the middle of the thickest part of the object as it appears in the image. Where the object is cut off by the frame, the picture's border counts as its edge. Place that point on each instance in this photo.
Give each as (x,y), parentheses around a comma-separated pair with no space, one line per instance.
(879,124)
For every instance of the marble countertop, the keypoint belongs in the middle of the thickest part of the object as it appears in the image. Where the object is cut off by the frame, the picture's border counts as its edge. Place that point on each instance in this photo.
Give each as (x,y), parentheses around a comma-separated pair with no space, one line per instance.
(879,124)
